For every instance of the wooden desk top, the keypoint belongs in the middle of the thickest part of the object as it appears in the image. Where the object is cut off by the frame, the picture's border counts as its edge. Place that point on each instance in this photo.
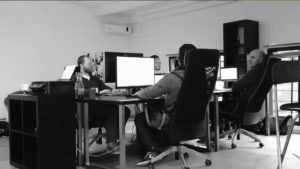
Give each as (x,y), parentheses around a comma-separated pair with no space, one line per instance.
(121,100)
(222,91)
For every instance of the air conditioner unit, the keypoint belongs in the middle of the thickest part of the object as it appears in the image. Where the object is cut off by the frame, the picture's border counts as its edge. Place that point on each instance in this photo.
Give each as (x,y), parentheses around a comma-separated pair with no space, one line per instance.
(119,30)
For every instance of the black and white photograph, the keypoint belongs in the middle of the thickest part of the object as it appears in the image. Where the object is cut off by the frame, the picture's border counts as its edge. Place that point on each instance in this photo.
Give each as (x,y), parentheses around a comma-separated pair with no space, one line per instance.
(150,84)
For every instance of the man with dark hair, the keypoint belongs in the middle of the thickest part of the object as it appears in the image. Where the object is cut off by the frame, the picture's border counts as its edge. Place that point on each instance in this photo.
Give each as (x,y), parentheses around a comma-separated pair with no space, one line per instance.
(157,63)
(100,115)
(153,139)
(184,48)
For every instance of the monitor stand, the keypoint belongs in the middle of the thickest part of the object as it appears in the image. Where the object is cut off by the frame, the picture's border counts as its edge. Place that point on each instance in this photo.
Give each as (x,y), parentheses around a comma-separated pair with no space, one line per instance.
(129,91)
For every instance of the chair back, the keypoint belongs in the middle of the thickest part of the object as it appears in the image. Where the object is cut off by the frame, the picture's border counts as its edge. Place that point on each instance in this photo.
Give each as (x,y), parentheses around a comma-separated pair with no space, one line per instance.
(255,110)
(200,76)
(285,72)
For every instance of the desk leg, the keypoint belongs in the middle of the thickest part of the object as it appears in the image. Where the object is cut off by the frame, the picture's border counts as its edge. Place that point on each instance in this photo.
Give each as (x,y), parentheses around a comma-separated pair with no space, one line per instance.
(267,118)
(86,133)
(122,136)
(208,140)
(79,133)
(217,135)
(279,158)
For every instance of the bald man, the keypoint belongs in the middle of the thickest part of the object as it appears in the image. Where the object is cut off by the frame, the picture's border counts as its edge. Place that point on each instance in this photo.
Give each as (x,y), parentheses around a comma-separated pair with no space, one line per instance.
(249,82)
(252,78)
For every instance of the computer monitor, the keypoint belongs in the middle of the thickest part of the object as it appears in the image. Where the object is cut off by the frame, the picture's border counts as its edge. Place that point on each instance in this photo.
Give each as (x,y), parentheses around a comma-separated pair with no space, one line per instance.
(68,72)
(134,72)
(157,77)
(229,73)
(110,64)
(219,85)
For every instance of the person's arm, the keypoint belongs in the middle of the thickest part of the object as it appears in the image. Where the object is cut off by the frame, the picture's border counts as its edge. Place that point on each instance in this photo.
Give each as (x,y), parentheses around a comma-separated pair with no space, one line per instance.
(103,86)
(73,78)
(162,87)
(245,81)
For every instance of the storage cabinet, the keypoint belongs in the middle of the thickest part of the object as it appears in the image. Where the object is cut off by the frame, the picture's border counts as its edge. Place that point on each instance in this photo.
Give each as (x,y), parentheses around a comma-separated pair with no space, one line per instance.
(42,131)
(239,39)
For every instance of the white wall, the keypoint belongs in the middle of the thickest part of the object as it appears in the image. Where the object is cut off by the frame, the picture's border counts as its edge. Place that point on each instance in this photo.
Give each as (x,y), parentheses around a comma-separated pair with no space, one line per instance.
(279,23)
(37,39)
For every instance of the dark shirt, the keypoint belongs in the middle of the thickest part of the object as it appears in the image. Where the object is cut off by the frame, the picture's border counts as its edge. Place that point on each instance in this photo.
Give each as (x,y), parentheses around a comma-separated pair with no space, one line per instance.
(248,83)
(94,82)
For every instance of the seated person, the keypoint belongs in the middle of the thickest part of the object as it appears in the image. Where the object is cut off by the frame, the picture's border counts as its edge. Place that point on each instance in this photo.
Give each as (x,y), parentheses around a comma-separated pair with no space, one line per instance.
(248,83)
(152,140)
(157,63)
(100,115)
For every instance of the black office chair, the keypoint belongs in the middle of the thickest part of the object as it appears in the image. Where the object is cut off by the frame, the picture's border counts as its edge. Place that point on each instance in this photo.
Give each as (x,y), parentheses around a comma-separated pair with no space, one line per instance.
(188,120)
(254,111)
(285,72)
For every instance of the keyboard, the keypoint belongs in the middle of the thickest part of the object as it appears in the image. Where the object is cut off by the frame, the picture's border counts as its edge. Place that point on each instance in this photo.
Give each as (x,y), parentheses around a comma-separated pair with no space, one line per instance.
(121,94)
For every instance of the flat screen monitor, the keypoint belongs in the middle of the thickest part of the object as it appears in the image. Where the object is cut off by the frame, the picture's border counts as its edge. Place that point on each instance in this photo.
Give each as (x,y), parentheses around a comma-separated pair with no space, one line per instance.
(219,85)
(110,64)
(229,73)
(68,72)
(134,72)
(157,77)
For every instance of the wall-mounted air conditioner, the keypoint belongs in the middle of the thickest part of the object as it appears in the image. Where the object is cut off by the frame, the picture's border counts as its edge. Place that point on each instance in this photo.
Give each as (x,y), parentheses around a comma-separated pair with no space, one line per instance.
(118,30)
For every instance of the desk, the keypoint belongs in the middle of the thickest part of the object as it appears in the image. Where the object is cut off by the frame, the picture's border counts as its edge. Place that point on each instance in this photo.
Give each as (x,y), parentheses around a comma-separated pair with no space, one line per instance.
(214,99)
(290,51)
(83,122)
(121,101)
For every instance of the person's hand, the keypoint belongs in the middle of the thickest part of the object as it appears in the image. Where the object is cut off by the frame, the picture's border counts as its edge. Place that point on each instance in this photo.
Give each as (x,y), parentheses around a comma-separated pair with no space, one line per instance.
(105,91)
(136,94)
(115,91)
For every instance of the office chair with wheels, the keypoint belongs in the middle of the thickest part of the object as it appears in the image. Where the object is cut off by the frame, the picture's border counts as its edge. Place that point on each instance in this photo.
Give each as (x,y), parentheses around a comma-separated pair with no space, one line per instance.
(254,111)
(188,118)
(285,72)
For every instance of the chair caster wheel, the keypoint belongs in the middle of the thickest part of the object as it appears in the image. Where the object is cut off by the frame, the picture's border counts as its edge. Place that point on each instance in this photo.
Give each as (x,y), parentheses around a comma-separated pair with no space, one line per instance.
(233,146)
(151,166)
(186,155)
(229,137)
(207,162)
(186,168)
(261,145)
(176,156)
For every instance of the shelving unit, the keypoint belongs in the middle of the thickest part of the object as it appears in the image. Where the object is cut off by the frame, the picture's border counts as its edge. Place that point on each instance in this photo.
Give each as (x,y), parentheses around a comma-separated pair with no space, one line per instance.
(42,131)
(239,38)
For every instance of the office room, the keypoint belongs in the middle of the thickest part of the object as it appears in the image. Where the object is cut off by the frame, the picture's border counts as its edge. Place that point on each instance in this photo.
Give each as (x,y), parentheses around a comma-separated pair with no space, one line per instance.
(149,84)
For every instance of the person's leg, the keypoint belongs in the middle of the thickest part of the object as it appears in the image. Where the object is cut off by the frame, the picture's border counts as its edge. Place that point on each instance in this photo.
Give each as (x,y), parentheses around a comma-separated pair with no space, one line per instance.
(96,120)
(106,116)
(150,140)
(145,133)
(96,117)
(112,121)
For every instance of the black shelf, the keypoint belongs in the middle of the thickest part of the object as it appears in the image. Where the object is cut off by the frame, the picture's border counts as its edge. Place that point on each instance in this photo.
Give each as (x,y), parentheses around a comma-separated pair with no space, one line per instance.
(16,131)
(42,131)
(235,45)
(239,39)
(29,117)
(16,147)
(29,134)
(16,115)
(30,151)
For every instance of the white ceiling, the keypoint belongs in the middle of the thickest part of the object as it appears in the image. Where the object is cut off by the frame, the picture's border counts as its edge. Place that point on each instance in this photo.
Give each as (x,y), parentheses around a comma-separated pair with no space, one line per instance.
(128,12)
